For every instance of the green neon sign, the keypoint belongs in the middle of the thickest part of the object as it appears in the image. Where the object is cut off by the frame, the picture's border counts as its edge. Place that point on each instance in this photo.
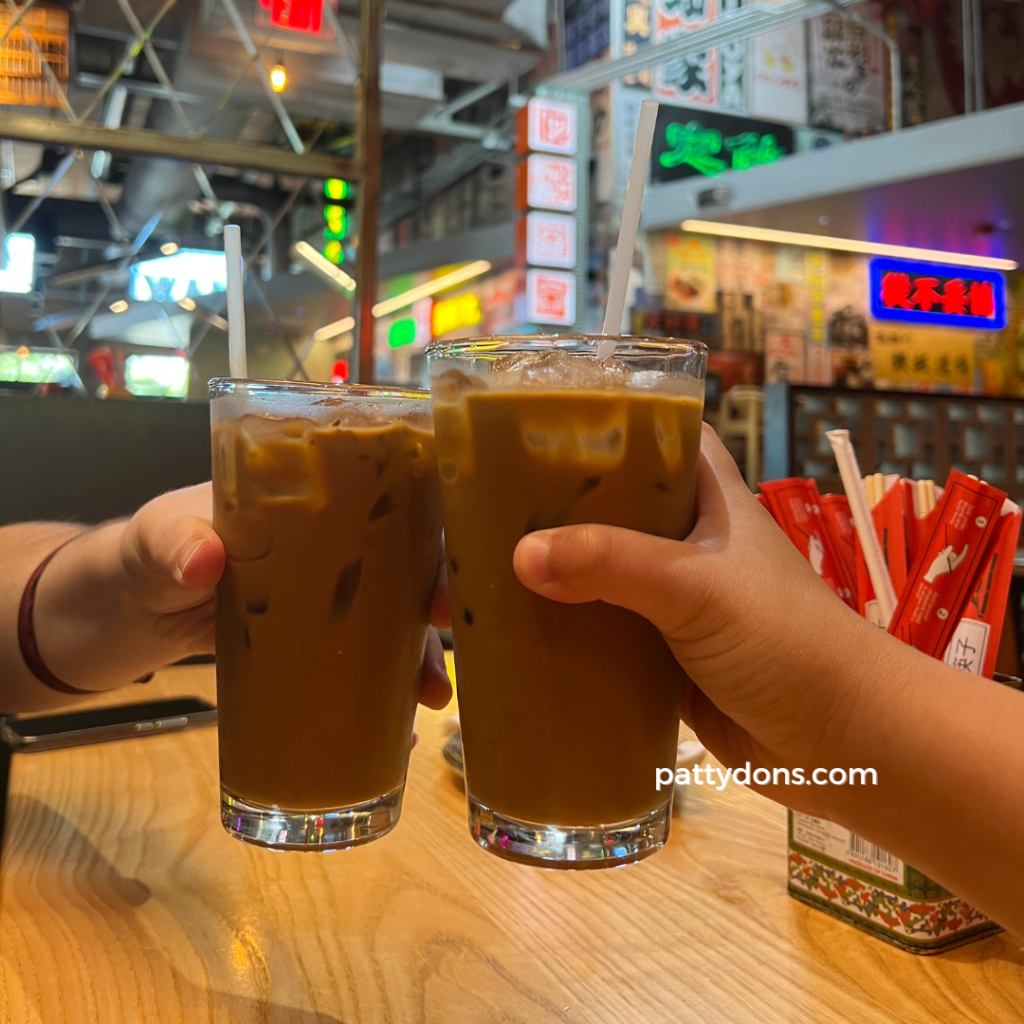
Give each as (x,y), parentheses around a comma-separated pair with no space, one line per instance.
(706,150)
(402,332)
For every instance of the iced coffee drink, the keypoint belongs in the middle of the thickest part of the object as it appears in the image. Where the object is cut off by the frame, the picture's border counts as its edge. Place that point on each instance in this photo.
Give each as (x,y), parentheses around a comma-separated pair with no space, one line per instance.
(566,710)
(326,499)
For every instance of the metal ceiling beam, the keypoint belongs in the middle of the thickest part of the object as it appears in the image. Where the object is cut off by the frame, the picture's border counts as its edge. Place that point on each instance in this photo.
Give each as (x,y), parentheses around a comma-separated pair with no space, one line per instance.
(262,74)
(127,62)
(58,172)
(87,80)
(441,119)
(144,142)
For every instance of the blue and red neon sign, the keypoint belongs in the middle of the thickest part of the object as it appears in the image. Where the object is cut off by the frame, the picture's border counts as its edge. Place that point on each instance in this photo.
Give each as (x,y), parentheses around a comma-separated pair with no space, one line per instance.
(937,294)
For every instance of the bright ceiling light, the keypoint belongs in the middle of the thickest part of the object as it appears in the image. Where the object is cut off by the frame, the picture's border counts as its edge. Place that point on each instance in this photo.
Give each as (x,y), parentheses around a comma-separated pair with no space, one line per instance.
(119,307)
(164,376)
(278,78)
(169,248)
(963,259)
(438,284)
(184,273)
(325,267)
(20,269)
(333,330)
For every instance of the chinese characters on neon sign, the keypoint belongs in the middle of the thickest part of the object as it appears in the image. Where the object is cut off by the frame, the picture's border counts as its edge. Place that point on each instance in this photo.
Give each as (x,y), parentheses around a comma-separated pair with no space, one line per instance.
(935,293)
(691,142)
(700,148)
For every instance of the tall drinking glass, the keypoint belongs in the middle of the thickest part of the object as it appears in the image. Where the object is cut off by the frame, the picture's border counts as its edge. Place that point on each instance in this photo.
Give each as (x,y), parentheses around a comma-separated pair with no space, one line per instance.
(326,499)
(566,710)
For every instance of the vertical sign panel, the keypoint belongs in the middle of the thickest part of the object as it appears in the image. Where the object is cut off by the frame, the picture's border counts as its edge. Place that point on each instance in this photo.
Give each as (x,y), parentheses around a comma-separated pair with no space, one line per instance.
(846,77)
(778,75)
(551,297)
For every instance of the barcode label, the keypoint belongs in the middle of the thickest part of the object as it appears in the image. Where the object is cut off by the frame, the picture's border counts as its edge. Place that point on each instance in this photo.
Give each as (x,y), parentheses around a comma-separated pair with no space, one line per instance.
(870,857)
(821,836)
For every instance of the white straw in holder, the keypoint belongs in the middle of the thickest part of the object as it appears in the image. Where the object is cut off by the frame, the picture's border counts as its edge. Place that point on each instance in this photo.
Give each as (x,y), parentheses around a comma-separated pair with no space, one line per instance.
(236,301)
(864,524)
(628,227)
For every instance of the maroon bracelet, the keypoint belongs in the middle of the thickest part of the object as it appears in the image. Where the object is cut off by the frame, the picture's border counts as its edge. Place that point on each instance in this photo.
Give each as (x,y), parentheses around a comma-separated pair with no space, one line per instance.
(27,634)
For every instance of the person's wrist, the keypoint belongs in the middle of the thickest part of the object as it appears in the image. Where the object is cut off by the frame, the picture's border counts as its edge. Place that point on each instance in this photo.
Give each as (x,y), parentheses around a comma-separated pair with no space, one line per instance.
(84,619)
(836,673)
(879,671)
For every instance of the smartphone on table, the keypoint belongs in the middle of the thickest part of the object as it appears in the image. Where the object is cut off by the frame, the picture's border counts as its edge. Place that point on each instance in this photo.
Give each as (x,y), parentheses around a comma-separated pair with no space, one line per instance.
(118,722)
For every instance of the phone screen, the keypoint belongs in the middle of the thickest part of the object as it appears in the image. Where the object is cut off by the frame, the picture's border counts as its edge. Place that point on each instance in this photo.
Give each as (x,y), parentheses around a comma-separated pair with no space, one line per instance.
(100,718)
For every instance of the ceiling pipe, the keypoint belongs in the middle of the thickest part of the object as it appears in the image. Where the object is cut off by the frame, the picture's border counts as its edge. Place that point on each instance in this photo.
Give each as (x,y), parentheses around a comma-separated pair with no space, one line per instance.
(979,56)
(441,119)
(967,41)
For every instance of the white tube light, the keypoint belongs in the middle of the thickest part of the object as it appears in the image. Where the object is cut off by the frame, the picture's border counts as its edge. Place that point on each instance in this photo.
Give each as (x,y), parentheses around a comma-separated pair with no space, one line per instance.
(438,284)
(710,227)
(328,331)
(325,267)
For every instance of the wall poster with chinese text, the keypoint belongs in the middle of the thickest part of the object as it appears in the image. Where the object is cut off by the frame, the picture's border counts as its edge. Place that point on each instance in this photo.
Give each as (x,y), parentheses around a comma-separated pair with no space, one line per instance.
(690,273)
(846,77)
(784,357)
(819,357)
(926,358)
(784,299)
(846,319)
(715,78)
(778,75)
(636,35)
(694,79)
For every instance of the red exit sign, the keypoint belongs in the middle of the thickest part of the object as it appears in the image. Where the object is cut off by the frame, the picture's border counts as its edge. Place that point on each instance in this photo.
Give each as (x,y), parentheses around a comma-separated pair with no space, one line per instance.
(305,16)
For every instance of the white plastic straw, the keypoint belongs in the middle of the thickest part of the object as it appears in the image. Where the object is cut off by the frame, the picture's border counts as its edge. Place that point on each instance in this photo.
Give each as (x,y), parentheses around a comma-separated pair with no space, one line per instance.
(628,227)
(853,484)
(236,301)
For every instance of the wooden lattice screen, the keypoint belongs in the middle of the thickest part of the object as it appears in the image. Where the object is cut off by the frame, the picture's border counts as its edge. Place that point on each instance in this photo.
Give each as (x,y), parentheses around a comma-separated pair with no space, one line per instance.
(914,434)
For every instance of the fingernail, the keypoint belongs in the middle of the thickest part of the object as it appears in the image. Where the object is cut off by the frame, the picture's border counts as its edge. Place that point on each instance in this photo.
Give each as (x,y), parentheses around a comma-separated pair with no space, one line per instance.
(186,556)
(534,551)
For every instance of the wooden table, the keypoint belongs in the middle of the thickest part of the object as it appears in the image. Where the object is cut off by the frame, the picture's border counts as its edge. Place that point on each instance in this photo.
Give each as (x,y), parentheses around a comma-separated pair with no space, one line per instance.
(122,900)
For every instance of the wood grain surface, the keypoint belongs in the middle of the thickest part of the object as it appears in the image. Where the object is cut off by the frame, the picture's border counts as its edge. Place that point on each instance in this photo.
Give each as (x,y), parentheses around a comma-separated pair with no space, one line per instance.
(122,900)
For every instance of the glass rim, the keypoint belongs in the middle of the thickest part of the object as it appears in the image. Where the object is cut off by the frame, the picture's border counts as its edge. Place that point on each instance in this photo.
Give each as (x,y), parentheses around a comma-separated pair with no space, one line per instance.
(634,344)
(221,386)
